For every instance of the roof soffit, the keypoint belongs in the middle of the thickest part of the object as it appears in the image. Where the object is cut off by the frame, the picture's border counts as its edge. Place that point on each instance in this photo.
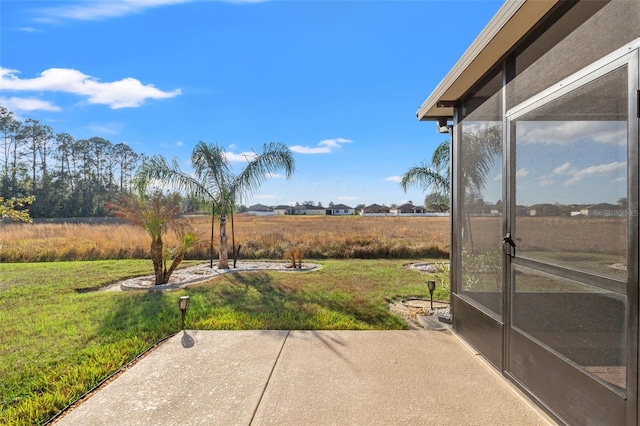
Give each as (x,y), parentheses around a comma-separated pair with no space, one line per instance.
(513,21)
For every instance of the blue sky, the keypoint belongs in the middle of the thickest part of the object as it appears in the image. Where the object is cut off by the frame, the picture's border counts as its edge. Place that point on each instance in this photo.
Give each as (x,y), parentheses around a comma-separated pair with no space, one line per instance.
(339,82)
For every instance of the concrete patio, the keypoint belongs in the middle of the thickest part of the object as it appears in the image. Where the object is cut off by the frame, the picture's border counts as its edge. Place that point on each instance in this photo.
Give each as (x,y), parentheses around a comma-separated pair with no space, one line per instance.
(309,378)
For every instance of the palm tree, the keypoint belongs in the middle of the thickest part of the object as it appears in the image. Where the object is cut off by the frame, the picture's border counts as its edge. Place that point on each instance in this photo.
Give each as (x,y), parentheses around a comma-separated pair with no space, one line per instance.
(433,175)
(157,215)
(213,180)
(479,150)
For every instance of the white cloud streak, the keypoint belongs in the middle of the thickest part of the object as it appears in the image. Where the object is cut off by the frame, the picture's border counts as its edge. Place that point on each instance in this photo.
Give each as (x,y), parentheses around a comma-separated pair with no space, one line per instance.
(108,128)
(396,179)
(576,175)
(562,169)
(326,146)
(570,132)
(96,10)
(27,104)
(125,93)
(599,170)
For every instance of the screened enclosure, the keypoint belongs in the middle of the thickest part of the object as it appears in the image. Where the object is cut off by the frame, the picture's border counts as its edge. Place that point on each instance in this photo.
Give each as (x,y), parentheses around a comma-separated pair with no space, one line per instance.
(545,206)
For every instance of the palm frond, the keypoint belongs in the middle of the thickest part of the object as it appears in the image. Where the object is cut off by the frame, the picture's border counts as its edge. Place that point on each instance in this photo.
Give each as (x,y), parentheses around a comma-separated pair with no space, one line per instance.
(158,169)
(275,157)
(211,166)
(426,176)
(432,176)
(480,149)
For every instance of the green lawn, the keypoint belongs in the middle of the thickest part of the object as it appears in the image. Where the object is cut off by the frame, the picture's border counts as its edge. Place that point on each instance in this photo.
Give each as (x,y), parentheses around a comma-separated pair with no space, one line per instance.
(59,340)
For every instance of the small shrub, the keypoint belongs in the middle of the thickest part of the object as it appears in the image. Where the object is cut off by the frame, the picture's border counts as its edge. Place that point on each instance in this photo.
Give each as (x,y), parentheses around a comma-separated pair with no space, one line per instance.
(295,254)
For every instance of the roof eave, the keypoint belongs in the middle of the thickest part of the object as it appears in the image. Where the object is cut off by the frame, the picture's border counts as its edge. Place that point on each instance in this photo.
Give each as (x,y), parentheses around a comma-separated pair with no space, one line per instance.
(512,21)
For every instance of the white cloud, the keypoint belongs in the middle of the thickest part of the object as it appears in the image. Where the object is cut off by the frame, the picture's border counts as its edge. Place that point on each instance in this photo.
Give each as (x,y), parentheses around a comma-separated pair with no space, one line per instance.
(29,29)
(326,146)
(265,197)
(102,9)
(128,92)
(576,175)
(243,156)
(569,132)
(599,170)
(562,169)
(347,198)
(109,128)
(27,104)
(179,143)
(396,179)
(522,173)
(274,176)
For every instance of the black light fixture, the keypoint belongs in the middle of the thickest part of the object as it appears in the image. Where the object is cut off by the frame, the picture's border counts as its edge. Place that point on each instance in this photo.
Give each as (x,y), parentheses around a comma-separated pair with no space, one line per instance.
(183,304)
(431,285)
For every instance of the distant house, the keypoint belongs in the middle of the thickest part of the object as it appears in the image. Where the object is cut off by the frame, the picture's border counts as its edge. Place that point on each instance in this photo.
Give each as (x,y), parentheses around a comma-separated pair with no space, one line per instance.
(261,210)
(492,209)
(544,210)
(308,209)
(407,209)
(375,209)
(604,210)
(283,209)
(339,210)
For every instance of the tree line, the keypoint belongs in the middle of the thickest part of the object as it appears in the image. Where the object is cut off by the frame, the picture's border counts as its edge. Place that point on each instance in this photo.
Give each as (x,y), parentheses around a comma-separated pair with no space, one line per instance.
(68,177)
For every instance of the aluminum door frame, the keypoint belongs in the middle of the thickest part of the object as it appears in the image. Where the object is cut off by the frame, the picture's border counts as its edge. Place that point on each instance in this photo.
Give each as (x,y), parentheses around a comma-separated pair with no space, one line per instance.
(626,56)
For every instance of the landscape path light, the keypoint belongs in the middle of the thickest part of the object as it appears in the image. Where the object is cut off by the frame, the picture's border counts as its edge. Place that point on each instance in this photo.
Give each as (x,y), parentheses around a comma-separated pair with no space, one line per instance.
(183,304)
(431,285)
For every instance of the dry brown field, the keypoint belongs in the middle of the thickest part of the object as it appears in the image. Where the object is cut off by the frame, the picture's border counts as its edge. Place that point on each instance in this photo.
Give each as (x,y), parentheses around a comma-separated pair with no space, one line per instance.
(605,235)
(593,244)
(261,237)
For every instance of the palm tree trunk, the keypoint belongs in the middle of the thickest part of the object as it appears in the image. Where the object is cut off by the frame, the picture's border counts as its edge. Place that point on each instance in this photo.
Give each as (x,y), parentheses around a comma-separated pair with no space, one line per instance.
(233,242)
(223,262)
(213,217)
(156,258)
(174,264)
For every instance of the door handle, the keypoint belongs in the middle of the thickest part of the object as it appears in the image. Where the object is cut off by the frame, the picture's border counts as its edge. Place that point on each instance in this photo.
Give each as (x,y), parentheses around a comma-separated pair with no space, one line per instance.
(508,246)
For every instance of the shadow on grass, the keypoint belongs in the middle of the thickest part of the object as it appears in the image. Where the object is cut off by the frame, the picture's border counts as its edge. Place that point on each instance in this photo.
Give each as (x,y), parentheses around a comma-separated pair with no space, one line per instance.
(268,303)
(243,301)
(150,316)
